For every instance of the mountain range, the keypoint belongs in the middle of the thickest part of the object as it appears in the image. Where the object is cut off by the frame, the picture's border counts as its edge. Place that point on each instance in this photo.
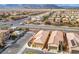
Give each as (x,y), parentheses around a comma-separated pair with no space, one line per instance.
(39,5)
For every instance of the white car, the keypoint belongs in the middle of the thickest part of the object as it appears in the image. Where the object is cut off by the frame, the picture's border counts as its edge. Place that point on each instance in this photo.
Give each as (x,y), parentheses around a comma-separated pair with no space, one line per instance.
(13,27)
(21,23)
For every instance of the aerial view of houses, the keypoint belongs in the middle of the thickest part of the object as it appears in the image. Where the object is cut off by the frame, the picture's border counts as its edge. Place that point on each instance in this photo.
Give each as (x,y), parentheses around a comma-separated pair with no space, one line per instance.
(39,29)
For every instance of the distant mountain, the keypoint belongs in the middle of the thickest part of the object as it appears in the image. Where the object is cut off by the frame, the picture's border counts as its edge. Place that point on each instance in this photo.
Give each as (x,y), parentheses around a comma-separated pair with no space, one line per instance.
(29,6)
(39,5)
(51,6)
(69,5)
(9,5)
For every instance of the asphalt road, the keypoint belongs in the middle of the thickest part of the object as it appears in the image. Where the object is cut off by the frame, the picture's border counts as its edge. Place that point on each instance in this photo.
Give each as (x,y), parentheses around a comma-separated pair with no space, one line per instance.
(15,48)
(15,23)
(50,27)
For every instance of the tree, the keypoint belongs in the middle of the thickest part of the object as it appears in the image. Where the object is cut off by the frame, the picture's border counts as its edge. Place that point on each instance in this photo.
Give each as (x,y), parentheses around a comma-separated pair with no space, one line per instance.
(45,18)
(47,22)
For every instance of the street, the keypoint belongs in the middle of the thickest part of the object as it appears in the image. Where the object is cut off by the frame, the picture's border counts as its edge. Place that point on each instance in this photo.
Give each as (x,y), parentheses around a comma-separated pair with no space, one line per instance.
(13,49)
(50,27)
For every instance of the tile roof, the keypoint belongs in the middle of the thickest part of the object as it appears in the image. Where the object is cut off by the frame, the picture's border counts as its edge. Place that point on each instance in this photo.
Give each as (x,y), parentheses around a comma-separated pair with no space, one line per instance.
(55,37)
(41,38)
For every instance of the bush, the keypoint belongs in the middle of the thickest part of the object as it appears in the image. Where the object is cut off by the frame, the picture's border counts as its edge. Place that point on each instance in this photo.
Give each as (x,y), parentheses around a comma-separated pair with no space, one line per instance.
(24,29)
(47,22)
